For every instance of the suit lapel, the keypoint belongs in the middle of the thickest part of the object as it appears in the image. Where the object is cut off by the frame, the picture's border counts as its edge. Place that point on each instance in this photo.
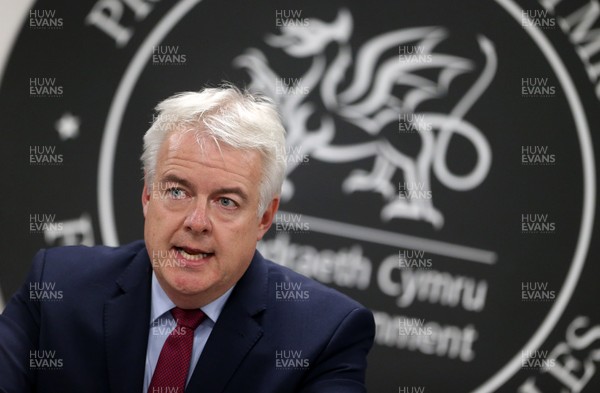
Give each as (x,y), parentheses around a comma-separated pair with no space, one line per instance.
(237,330)
(126,323)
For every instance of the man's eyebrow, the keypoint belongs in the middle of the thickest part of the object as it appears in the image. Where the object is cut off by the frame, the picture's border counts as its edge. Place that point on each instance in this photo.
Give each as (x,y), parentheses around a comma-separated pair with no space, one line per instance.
(176,179)
(171,178)
(232,190)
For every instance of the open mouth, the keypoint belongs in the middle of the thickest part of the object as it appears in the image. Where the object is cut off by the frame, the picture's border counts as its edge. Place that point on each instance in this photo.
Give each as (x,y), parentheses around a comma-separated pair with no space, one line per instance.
(192,254)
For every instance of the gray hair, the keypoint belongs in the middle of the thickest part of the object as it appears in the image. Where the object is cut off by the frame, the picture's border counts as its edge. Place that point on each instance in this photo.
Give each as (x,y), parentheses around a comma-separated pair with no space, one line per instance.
(226,114)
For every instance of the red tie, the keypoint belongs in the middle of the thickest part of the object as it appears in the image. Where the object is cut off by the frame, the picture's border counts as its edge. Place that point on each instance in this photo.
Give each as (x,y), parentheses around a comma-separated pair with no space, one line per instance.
(173,363)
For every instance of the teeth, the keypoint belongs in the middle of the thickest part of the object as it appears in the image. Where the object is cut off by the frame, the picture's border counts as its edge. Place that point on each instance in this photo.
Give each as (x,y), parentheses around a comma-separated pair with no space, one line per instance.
(192,257)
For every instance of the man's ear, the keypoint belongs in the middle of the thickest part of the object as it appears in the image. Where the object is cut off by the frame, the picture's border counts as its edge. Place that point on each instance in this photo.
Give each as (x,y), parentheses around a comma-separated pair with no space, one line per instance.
(267,218)
(145,198)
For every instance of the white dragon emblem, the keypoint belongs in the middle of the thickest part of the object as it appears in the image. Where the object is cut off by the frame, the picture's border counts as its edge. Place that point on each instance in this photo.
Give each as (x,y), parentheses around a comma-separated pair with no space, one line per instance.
(362,90)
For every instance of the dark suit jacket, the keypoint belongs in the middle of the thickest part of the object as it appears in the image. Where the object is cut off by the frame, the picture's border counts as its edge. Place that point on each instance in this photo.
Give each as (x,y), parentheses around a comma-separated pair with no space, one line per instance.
(89,332)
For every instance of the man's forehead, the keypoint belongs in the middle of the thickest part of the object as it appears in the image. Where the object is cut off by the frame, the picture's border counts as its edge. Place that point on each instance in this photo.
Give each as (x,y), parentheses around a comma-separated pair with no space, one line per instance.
(185,150)
(203,146)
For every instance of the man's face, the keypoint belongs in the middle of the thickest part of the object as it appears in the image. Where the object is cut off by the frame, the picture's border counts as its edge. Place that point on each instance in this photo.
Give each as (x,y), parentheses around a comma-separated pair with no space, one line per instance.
(201,223)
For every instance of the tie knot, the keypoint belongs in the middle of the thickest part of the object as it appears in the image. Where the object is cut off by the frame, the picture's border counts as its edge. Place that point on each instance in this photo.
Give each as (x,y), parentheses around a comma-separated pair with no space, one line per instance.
(188,318)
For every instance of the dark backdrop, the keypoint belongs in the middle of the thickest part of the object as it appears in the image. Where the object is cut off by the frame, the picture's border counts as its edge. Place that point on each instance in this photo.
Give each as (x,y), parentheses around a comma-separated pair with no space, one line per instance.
(441,162)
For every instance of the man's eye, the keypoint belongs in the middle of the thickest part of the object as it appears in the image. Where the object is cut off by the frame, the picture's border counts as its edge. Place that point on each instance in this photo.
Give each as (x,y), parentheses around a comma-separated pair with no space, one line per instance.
(226,202)
(176,193)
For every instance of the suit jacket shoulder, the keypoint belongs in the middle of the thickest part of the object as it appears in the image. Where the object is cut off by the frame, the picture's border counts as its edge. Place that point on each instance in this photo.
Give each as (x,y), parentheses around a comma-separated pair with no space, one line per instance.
(73,264)
(58,332)
(283,332)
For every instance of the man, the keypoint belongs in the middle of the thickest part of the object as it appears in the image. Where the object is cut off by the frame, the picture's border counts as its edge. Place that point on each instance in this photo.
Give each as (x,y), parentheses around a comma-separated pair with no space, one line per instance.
(195,306)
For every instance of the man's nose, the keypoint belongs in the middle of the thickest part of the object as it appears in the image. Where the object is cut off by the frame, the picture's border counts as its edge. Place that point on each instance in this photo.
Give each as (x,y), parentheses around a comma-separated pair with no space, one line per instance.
(197,219)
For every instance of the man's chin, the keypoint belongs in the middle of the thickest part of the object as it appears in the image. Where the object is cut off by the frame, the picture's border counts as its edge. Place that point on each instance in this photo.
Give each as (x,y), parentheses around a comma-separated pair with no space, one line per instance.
(187,284)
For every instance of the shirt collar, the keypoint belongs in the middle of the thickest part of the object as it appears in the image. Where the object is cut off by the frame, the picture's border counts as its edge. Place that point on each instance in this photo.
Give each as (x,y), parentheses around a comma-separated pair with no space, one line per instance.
(161,303)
